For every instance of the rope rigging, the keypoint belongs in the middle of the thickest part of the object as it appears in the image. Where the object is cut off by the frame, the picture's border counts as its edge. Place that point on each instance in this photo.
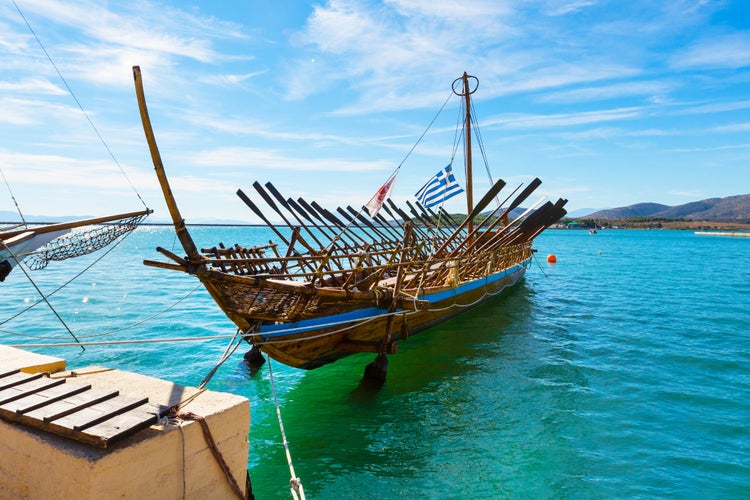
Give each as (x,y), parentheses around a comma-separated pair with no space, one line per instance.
(248,336)
(82,240)
(295,483)
(12,197)
(80,106)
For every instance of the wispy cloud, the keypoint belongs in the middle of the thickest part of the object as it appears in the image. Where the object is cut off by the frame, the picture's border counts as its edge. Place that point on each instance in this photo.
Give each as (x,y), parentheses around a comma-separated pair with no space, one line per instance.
(522,121)
(723,106)
(27,111)
(568,7)
(648,89)
(724,147)
(730,51)
(274,160)
(733,127)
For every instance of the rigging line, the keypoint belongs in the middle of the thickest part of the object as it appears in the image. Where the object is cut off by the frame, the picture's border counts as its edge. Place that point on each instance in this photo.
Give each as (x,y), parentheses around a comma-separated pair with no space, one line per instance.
(70,90)
(85,269)
(227,353)
(126,342)
(480,142)
(295,482)
(117,330)
(540,266)
(20,266)
(290,331)
(7,184)
(147,319)
(425,130)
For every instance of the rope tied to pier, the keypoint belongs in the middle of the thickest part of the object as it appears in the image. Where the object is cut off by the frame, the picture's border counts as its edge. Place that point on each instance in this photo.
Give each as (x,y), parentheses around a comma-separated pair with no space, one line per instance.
(181,416)
(295,483)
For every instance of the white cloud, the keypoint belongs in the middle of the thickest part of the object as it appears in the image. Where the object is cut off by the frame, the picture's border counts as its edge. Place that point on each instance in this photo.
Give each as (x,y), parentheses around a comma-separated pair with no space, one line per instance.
(614,91)
(522,121)
(731,51)
(733,127)
(569,7)
(273,160)
(30,112)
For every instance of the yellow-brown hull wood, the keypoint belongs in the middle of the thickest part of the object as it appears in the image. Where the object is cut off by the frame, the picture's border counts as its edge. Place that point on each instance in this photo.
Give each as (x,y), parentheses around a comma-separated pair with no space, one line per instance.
(319,346)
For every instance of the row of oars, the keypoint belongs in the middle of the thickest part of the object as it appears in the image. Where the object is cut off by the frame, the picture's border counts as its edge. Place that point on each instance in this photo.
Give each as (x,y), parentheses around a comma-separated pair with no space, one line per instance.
(346,230)
(333,242)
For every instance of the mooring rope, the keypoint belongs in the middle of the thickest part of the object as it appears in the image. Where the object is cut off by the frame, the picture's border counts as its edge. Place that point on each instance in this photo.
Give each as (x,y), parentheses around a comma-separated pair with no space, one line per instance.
(540,266)
(251,335)
(180,416)
(295,483)
(227,353)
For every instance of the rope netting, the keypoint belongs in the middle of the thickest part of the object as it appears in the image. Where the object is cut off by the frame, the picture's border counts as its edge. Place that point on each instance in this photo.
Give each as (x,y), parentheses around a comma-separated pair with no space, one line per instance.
(82,241)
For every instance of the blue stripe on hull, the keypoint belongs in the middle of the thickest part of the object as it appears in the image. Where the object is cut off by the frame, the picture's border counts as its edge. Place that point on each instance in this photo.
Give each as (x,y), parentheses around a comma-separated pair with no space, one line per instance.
(284,329)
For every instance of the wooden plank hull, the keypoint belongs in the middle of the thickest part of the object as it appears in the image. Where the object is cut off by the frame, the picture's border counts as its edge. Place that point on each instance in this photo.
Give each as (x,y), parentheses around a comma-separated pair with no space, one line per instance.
(315,342)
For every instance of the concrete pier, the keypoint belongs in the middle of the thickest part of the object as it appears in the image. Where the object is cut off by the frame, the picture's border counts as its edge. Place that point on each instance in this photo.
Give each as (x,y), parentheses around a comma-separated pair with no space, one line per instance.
(165,460)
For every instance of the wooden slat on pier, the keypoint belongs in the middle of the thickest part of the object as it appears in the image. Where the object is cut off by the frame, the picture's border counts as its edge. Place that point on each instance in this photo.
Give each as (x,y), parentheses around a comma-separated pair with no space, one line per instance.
(72,409)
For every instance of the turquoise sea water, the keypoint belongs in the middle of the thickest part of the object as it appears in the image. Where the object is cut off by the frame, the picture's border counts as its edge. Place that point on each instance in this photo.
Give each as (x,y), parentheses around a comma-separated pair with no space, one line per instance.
(622,371)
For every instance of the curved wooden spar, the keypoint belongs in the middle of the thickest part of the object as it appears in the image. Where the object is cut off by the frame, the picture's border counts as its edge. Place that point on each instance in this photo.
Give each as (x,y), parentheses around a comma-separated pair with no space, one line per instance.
(179,223)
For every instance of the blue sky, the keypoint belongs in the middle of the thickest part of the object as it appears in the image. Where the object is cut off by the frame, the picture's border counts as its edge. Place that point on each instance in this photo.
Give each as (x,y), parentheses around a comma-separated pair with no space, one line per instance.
(610,103)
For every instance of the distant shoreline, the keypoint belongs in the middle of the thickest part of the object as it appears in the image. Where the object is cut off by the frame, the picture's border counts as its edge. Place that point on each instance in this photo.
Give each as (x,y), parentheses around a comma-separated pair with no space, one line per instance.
(707,225)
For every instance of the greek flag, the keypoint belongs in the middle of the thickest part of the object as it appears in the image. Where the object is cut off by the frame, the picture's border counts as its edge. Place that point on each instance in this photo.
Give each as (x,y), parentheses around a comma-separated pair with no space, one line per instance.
(439,188)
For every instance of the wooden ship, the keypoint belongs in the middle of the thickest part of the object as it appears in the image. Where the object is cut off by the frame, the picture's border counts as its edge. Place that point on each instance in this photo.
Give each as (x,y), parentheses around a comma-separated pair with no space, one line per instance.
(344,281)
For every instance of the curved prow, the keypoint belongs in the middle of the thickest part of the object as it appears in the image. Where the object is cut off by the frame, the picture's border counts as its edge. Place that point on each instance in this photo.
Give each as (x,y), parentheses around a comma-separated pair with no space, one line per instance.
(179,223)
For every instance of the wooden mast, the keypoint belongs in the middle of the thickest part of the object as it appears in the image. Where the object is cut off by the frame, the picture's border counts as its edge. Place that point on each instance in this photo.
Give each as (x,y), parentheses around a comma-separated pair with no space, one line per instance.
(179,223)
(467,125)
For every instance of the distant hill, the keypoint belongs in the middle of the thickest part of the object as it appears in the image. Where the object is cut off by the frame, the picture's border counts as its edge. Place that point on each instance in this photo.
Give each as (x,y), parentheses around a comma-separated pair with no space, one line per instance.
(580,212)
(9,216)
(637,210)
(730,209)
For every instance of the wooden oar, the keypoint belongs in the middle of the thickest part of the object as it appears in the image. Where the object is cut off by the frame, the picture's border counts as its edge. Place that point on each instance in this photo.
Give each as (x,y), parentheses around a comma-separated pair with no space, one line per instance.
(286,205)
(406,218)
(468,242)
(442,216)
(304,213)
(554,217)
(426,221)
(352,241)
(336,222)
(351,219)
(514,204)
(501,236)
(425,217)
(365,221)
(489,195)
(546,219)
(258,212)
(444,213)
(528,225)
(392,230)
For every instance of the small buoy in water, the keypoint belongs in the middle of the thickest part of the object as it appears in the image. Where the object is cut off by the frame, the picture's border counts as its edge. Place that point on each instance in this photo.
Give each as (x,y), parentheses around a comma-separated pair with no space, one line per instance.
(551,258)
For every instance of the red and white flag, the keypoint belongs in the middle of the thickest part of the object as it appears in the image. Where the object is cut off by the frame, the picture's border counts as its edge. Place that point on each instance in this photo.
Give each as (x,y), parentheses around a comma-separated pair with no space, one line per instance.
(376,203)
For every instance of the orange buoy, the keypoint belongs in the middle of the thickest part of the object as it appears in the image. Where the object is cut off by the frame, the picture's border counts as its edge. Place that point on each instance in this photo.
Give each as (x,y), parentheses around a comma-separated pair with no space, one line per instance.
(551,258)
